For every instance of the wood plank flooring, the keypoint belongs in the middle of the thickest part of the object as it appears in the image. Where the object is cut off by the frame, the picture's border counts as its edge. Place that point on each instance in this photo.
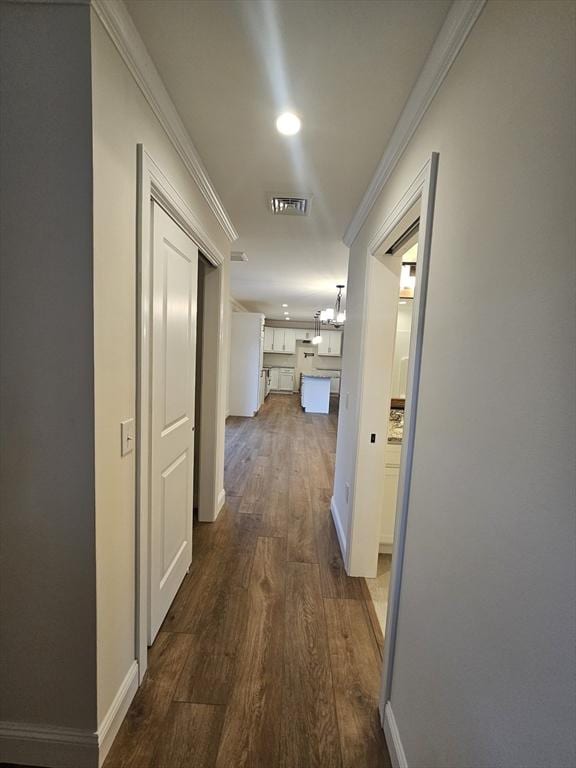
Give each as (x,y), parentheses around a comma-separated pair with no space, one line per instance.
(267,657)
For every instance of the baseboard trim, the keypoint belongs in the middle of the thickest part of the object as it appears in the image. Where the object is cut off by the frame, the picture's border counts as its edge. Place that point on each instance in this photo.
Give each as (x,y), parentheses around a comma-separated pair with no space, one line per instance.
(220,501)
(392,734)
(112,721)
(47,745)
(339,529)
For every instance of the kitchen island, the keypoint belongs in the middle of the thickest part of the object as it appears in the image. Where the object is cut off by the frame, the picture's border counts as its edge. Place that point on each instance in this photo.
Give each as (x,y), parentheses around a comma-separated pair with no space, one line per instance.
(315,392)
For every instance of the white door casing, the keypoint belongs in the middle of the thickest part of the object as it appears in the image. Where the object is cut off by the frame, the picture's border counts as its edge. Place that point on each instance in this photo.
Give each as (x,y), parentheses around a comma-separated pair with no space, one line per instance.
(173,354)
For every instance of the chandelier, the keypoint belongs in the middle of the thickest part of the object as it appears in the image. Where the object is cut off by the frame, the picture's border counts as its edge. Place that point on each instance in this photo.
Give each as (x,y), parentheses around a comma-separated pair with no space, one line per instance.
(334,316)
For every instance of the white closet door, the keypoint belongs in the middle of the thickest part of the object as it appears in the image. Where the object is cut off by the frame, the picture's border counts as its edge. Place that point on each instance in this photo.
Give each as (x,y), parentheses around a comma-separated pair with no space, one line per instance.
(173,347)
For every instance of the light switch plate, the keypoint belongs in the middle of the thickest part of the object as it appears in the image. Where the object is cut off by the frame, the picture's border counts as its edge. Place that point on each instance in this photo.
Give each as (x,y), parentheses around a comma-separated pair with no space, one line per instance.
(127,436)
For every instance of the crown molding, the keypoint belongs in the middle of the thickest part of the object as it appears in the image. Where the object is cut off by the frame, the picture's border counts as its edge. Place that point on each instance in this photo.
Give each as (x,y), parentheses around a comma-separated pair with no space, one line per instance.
(236,306)
(456,28)
(119,25)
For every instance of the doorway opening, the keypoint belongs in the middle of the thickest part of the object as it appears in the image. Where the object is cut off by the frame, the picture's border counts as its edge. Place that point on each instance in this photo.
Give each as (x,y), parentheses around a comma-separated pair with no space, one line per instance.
(406,249)
(179,462)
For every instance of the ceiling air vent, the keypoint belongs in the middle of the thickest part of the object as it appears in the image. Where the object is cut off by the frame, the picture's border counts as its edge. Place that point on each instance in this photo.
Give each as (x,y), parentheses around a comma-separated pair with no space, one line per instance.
(284,205)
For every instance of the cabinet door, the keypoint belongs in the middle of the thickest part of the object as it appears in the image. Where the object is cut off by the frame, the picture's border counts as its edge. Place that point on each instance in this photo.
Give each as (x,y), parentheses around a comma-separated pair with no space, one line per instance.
(268,339)
(336,343)
(388,518)
(289,341)
(278,344)
(285,381)
(324,346)
(274,378)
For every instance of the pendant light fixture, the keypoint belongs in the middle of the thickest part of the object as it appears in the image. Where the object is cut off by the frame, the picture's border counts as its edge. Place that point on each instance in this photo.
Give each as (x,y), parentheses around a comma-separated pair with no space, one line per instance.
(334,316)
(317,334)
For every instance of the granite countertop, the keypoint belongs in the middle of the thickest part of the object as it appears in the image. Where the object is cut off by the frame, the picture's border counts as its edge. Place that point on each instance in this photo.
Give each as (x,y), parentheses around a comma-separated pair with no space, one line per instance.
(317,375)
(396,425)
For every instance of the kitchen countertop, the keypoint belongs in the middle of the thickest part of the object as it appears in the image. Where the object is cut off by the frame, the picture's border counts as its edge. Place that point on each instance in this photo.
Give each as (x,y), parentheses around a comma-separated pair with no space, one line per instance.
(317,375)
(396,426)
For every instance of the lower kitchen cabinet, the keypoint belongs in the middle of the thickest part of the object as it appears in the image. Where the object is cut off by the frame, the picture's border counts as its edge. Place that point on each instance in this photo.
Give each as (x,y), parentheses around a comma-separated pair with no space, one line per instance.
(391,476)
(285,380)
(282,379)
(273,378)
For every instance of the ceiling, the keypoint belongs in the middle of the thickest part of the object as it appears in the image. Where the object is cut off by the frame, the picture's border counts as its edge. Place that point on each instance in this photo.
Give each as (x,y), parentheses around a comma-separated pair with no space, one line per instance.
(346,67)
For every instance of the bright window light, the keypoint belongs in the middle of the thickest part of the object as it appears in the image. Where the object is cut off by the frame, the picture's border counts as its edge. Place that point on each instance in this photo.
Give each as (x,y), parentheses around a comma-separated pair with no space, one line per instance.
(407,281)
(329,314)
(284,305)
(288,123)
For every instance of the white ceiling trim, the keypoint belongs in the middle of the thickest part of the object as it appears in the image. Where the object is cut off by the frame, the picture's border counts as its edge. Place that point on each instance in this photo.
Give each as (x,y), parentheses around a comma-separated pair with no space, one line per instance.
(236,306)
(119,25)
(456,28)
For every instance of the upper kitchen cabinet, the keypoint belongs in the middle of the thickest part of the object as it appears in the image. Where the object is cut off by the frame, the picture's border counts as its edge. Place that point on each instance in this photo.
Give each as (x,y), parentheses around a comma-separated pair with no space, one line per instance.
(303,334)
(331,344)
(268,339)
(280,340)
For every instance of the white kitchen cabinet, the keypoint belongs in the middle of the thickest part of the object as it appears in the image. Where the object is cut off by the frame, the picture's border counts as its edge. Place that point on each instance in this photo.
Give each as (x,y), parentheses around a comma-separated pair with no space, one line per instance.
(280,340)
(331,344)
(303,334)
(290,341)
(268,339)
(285,379)
(273,378)
(391,476)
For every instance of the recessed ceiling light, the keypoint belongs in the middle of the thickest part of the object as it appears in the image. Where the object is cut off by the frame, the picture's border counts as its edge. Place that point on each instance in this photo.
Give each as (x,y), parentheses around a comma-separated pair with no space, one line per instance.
(287,318)
(284,305)
(402,302)
(288,123)
(286,313)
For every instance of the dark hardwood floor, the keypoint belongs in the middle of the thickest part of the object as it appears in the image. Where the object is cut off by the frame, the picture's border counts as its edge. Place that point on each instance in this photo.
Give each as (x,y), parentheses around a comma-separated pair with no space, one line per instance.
(268,657)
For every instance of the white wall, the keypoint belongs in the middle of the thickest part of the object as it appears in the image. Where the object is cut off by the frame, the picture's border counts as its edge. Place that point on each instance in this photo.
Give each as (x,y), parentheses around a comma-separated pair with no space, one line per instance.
(485,666)
(47,565)
(122,119)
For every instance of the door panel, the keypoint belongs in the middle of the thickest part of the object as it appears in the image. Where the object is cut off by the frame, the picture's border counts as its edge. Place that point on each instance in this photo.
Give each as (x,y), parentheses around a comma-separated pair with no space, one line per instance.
(173,354)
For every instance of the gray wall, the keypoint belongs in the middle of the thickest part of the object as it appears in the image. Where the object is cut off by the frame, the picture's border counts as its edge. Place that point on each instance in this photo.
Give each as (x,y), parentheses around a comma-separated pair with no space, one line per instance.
(485,666)
(47,540)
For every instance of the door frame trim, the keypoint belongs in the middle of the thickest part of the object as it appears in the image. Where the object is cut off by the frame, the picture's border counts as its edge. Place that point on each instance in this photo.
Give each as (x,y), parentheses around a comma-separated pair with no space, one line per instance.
(152,185)
(422,190)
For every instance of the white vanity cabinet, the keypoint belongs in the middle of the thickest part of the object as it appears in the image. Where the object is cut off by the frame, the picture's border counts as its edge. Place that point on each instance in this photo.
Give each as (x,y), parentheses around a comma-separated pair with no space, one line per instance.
(331,344)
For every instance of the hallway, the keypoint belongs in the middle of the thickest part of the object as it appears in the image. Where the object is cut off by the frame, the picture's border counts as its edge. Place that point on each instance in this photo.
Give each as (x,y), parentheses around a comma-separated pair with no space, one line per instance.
(267,656)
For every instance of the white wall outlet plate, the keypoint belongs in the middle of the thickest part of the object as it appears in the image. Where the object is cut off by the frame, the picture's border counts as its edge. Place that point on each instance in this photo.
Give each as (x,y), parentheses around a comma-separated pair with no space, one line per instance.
(126,437)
